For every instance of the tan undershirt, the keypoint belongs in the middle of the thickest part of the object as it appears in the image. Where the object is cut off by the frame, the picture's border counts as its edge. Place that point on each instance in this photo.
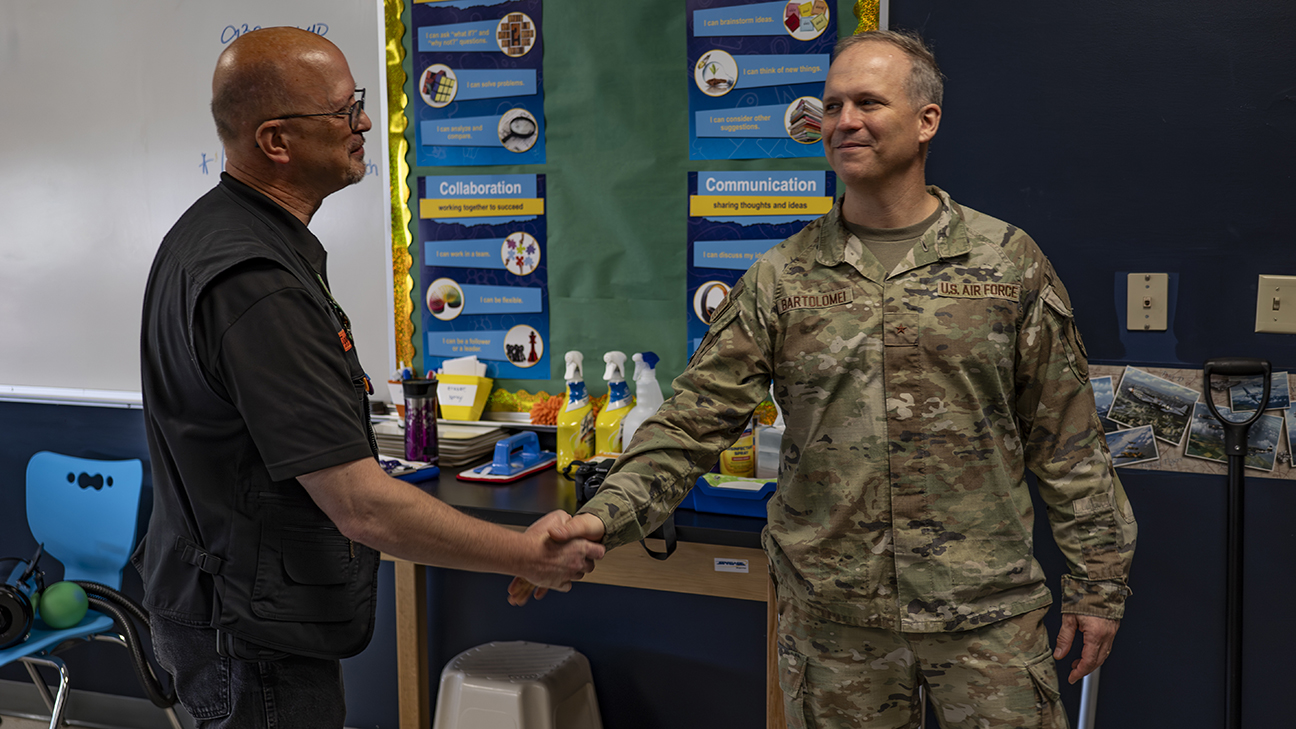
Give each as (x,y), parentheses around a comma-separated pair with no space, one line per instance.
(891,245)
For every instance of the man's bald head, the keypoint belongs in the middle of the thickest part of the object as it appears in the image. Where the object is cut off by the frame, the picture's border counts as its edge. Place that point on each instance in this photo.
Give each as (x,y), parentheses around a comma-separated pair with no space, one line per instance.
(262,74)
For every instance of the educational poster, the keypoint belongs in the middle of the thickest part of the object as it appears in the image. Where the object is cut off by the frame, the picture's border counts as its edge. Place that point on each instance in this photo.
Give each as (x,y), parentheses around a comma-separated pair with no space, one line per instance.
(734,218)
(756,74)
(479,83)
(485,281)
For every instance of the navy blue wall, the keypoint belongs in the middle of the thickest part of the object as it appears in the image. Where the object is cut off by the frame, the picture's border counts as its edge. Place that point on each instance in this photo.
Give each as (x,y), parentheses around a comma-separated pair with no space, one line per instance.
(1154,136)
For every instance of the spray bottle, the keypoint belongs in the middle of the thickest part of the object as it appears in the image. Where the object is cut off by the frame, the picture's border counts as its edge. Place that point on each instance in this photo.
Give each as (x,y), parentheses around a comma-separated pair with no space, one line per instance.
(575,419)
(607,427)
(648,395)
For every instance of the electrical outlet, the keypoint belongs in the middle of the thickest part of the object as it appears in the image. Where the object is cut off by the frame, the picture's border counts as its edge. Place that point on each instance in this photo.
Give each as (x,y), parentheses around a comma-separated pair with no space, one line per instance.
(1147,302)
(1276,304)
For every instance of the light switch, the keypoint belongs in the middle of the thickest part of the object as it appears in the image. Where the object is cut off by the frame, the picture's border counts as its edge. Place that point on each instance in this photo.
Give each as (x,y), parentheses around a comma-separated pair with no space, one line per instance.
(1147,302)
(1276,304)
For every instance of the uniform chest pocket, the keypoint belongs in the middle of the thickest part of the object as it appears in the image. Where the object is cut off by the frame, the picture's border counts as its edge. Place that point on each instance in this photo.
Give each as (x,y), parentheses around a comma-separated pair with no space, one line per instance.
(976,319)
(824,329)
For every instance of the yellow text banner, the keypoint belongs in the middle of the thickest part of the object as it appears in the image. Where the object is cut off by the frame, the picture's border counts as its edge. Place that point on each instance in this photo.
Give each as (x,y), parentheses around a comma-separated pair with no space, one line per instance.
(713,205)
(480,208)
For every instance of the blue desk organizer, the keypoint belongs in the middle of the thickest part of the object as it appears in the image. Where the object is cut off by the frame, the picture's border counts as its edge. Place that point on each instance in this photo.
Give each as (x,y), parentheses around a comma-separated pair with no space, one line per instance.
(720,500)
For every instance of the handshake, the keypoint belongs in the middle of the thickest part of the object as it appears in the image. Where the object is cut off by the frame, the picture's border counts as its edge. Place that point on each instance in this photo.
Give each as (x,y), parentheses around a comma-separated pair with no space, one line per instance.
(568,546)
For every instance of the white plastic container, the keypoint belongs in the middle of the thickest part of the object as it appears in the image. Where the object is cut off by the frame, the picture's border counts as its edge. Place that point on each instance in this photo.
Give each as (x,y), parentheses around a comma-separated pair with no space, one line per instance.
(769,440)
(648,395)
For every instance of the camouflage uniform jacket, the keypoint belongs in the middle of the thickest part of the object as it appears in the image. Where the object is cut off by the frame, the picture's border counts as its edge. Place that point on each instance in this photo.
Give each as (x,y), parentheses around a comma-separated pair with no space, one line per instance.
(914,404)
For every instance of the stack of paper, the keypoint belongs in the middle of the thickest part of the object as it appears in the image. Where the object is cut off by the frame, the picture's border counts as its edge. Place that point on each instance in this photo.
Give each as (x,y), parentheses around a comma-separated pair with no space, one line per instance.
(456,444)
(390,434)
(470,366)
(459,445)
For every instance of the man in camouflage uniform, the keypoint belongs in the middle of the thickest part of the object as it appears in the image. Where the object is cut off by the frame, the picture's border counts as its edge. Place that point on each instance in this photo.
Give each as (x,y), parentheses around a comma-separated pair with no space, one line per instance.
(924,356)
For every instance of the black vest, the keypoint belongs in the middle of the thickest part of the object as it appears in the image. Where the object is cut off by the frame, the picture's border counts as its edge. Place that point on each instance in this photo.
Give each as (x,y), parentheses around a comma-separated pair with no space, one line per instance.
(237,550)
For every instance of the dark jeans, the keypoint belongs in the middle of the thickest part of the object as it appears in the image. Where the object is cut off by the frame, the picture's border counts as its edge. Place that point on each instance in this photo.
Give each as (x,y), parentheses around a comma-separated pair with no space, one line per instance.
(224,693)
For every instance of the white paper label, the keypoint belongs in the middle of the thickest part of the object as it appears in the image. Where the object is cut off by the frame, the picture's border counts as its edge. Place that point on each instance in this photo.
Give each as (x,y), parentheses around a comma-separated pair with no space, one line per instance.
(456,395)
(730,565)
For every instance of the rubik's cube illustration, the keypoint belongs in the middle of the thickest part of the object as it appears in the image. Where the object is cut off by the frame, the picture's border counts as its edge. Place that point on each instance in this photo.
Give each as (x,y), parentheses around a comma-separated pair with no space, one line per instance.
(440,87)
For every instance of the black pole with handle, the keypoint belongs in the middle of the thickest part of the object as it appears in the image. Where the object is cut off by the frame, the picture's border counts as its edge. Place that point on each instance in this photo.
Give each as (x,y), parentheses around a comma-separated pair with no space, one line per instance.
(1235,447)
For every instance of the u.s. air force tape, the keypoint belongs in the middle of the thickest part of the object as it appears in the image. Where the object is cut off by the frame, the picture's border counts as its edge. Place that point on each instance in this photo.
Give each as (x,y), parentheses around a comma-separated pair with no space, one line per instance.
(979,290)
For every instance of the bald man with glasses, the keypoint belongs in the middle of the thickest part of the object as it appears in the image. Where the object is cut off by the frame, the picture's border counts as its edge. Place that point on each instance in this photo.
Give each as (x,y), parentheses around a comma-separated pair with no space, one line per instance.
(270,507)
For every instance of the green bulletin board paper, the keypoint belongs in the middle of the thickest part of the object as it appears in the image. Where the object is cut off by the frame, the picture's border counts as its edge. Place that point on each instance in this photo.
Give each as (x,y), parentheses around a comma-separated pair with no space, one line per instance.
(617,179)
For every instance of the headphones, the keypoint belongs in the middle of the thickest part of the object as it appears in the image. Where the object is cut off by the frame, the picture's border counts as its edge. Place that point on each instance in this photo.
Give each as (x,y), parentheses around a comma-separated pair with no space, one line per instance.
(22,580)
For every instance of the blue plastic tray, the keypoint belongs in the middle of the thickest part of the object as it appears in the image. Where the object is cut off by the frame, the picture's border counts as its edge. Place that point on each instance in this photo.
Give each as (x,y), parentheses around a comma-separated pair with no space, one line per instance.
(719,500)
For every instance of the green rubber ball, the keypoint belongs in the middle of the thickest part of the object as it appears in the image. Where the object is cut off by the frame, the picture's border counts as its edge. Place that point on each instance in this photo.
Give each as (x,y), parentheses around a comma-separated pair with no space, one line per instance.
(63,605)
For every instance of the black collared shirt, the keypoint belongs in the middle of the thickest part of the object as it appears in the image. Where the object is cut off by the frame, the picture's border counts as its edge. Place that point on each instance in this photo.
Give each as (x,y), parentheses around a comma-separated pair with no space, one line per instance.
(249,380)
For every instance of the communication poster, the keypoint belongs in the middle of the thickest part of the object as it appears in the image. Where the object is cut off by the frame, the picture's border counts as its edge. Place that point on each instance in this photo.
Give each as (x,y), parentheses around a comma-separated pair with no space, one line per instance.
(479,83)
(734,218)
(485,281)
(756,77)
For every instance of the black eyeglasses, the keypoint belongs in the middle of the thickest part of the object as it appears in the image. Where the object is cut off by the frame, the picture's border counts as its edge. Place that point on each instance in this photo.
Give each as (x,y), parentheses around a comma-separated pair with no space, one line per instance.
(352,112)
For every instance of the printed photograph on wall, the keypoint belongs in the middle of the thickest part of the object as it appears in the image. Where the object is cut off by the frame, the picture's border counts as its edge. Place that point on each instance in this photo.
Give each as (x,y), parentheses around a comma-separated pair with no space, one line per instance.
(1206,438)
(1145,399)
(1137,445)
(1103,396)
(1244,397)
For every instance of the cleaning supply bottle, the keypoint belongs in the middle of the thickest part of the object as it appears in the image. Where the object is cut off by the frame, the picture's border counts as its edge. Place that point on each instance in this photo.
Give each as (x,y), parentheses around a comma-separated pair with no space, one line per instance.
(576,418)
(769,444)
(607,427)
(739,459)
(648,395)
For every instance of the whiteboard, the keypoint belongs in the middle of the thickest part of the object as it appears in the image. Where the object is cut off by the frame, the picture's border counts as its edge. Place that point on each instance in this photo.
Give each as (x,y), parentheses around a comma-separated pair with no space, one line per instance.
(106,138)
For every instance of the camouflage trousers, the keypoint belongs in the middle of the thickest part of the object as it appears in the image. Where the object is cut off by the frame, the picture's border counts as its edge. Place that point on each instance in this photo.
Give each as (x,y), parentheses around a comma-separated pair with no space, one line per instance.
(835,676)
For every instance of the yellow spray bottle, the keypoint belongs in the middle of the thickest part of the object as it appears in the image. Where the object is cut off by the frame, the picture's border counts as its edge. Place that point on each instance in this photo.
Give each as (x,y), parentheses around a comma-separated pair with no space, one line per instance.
(607,427)
(576,418)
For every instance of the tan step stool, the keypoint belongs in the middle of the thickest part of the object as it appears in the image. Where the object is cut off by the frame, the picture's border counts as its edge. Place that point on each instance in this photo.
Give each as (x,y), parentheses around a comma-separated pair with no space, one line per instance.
(517,685)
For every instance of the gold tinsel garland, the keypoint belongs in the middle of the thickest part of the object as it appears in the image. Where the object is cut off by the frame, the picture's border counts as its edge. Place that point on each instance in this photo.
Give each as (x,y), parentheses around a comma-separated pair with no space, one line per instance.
(398,169)
(868,13)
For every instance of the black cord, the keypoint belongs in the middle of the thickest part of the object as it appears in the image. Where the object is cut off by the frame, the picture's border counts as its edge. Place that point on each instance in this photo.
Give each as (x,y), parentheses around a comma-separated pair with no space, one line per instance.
(122,609)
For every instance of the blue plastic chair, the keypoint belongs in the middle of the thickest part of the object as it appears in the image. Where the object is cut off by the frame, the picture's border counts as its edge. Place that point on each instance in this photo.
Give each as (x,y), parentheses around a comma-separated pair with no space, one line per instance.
(85,513)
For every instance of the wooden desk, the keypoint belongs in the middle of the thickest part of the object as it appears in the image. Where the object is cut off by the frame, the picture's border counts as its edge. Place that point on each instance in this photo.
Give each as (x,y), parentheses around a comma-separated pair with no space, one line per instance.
(703,539)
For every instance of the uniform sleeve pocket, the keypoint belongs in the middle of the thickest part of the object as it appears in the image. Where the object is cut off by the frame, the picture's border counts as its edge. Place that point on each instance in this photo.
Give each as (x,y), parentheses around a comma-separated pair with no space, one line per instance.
(1077,357)
(719,322)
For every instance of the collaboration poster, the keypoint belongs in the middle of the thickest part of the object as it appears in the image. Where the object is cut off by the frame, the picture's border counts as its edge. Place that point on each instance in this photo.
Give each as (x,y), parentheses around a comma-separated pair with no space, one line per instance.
(756,74)
(479,82)
(485,281)
(734,218)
